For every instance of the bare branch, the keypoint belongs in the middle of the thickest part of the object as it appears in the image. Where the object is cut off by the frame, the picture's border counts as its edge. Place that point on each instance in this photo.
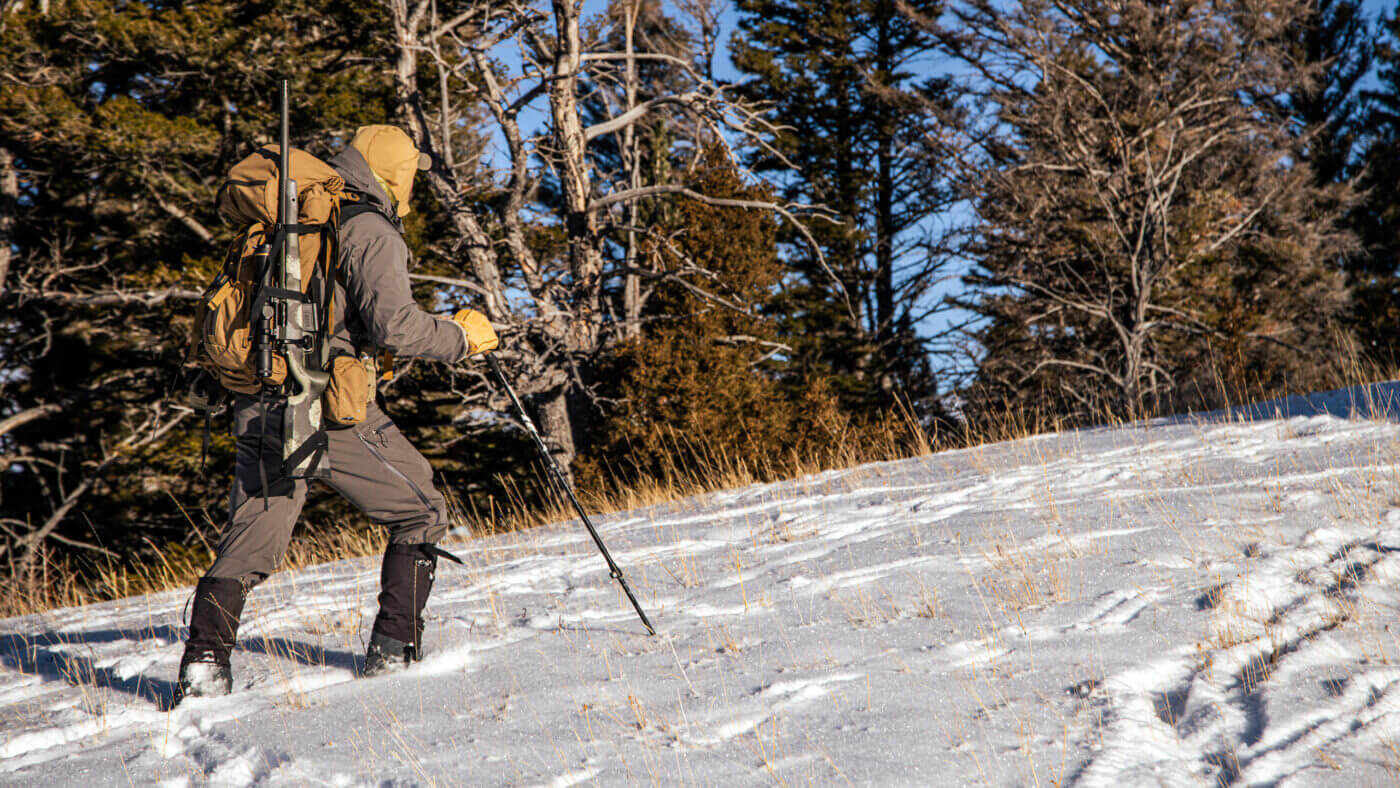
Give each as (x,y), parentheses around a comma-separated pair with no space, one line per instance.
(685,100)
(723,202)
(447,280)
(145,298)
(745,339)
(28,545)
(25,416)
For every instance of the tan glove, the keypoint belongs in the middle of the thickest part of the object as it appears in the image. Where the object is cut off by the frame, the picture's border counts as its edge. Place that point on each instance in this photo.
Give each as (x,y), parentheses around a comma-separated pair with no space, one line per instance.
(477,329)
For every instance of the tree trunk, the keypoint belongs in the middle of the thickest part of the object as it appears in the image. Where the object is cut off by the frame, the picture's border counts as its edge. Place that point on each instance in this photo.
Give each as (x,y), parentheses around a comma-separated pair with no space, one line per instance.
(580,223)
(556,426)
(632,159)
(571,147)
(442,180)
(884,212)
(9,205)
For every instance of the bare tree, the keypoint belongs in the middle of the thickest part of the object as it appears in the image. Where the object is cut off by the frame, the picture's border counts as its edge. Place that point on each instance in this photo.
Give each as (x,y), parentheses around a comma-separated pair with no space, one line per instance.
(568,303)
(1134,181)
(24,544)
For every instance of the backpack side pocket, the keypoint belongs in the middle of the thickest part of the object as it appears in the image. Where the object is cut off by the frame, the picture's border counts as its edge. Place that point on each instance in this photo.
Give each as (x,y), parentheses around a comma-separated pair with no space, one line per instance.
(347,395)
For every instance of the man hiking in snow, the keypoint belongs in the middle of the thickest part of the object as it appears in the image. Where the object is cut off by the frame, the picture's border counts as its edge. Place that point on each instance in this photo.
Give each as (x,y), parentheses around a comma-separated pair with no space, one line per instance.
(371,463)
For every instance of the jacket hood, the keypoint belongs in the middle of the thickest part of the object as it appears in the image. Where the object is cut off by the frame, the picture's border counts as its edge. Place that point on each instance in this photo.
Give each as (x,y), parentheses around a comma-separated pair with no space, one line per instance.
(360,178)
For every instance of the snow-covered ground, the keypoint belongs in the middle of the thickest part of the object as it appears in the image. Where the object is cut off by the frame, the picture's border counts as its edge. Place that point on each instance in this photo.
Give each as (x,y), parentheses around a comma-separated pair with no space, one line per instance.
(1190,601)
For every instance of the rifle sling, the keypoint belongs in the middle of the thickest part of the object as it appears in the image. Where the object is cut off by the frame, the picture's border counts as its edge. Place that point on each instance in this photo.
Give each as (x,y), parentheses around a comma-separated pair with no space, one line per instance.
(262,437)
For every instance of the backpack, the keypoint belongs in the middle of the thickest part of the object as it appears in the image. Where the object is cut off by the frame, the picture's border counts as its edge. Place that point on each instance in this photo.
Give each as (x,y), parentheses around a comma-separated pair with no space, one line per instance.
(222,336)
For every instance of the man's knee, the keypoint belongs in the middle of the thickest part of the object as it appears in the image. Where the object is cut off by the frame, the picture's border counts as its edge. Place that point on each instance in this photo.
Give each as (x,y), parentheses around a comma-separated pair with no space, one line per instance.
(251,571)
(425,525)
(253,542)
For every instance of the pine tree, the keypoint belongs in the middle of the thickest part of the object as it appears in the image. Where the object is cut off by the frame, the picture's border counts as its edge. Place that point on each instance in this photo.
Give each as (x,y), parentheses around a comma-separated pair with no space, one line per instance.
(697,391)
(1335,35)
(117,123)
(1374,273)
(849,82)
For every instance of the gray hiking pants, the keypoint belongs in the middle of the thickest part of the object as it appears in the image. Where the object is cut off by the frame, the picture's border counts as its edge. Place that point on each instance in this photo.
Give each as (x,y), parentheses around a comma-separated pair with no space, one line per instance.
(372,465)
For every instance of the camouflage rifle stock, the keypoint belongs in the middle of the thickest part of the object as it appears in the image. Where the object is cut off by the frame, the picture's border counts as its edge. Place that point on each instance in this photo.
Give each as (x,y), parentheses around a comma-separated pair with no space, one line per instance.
(303,435)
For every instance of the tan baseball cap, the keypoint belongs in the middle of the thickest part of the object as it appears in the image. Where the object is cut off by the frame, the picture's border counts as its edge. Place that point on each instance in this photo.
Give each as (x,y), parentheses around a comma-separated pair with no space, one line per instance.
(393,157)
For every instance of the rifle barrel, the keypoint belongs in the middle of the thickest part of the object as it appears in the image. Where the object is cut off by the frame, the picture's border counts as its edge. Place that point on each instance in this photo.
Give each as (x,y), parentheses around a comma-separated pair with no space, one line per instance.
(284,137)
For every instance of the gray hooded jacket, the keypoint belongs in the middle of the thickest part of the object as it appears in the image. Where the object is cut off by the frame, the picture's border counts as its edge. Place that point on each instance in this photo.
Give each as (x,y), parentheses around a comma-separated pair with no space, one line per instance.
(374,305)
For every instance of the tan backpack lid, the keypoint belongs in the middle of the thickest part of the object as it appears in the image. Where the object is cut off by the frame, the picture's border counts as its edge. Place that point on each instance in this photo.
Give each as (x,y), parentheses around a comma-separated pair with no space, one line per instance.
(250,194)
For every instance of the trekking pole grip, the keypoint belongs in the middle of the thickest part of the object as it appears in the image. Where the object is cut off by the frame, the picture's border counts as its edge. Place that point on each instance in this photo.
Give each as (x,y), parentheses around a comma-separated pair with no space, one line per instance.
(556,474)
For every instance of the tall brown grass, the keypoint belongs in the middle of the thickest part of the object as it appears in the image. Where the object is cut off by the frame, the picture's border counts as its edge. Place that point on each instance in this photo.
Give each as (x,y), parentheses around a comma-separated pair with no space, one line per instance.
(61,582)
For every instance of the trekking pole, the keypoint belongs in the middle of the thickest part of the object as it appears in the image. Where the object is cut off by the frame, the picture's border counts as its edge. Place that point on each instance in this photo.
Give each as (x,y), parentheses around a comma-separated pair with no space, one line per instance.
(558,476)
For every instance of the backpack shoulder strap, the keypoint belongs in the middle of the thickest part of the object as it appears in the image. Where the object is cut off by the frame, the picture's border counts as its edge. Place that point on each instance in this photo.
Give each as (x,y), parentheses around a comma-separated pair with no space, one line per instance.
(349,210)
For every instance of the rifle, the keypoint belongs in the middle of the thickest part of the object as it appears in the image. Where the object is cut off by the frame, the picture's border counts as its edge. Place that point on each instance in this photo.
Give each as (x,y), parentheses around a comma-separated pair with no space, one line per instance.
(288,325)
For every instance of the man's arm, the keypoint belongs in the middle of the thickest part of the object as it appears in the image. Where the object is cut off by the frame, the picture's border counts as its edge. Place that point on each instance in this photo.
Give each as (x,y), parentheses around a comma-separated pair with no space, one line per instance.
(375,263)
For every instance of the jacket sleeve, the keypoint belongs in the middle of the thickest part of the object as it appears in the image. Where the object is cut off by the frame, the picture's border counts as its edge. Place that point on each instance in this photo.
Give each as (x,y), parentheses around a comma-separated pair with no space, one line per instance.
(374,261)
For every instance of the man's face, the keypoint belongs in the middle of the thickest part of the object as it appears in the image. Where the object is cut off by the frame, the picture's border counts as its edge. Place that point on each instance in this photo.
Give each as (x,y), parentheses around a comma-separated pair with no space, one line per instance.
(400,180)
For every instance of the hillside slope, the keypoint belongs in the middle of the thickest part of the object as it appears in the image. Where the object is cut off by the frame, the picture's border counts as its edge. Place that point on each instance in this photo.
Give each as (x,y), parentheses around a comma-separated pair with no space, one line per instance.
(1190,600)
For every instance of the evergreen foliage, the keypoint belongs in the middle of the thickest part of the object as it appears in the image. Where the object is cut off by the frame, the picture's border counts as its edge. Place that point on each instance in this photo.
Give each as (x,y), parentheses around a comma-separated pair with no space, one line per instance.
(849,81)
(700,379)
(1336,36)
(1374,273)
(117,123)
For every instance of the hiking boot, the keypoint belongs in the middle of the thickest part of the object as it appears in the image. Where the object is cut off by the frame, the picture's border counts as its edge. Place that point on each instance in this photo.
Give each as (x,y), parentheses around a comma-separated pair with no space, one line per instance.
(386,654)
(405,581)
(203,678)
(205,670)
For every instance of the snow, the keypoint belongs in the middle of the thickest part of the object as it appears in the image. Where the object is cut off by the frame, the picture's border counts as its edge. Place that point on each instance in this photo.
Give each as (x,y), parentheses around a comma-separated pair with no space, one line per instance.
(1192,600)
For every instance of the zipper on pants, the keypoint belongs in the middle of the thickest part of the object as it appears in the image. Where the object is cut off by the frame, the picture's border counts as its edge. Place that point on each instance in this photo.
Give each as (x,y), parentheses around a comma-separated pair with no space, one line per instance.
(394,469)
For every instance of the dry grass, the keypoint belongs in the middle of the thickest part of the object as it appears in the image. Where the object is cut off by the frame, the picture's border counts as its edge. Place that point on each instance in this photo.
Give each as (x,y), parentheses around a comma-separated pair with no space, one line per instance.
(1021,578)
(62,582)
(710,466)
